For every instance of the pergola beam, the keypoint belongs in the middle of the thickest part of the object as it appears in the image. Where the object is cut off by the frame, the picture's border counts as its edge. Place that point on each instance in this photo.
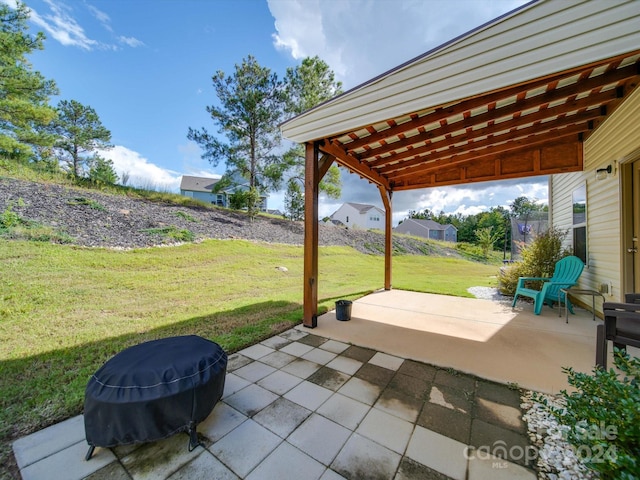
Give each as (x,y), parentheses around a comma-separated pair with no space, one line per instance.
(607,78)
(388,231)
(510,144)
(354,164)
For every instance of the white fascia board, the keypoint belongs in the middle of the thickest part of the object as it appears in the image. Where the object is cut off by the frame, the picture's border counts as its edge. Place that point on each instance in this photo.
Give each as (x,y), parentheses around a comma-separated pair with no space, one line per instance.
(542,39)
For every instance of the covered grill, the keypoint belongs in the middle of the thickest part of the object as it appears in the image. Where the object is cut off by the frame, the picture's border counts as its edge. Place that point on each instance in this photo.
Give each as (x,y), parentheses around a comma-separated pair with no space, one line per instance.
(153,390)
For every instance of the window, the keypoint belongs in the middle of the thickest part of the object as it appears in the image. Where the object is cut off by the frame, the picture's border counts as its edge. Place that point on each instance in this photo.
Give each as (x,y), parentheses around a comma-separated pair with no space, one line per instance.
(374,218)
(579,229)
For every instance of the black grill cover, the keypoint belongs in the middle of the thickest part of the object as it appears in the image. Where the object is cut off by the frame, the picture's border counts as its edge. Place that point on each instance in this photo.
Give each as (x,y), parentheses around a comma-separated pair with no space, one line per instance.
(153,390)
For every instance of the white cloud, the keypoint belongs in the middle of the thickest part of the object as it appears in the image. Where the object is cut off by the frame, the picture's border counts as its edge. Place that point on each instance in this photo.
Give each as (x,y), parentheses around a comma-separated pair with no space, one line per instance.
(62,26)
(131,41)
(101,16)
(141,172)
(384,34)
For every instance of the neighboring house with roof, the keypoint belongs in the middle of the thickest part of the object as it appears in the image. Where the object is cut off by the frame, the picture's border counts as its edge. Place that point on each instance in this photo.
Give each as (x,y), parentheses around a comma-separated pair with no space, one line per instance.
(358,215)
(201,188)
(428,229)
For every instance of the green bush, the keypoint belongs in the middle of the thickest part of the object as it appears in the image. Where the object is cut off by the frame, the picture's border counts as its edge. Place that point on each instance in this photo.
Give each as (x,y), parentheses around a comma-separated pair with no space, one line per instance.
(539,259)
(9,218)
(603,417)
(238,199)
(470,250)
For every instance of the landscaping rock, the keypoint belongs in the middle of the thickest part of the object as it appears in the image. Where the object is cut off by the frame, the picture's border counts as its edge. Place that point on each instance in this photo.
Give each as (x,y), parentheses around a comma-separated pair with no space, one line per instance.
(95,219)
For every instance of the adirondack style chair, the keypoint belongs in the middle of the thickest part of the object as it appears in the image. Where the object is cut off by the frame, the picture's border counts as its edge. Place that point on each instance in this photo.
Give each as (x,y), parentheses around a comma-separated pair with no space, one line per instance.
(565,275)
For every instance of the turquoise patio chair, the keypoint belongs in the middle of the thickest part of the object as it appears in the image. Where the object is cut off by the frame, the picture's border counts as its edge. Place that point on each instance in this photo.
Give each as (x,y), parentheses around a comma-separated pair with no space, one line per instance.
(565,275)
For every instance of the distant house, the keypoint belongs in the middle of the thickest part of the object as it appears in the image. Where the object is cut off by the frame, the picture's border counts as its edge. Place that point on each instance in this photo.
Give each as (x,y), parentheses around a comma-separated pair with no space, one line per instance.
(428,229)
(201,188)
(358,215)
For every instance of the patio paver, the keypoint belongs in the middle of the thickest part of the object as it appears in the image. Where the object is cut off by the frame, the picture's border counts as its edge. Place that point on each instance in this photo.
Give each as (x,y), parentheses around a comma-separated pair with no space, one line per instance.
(306,406)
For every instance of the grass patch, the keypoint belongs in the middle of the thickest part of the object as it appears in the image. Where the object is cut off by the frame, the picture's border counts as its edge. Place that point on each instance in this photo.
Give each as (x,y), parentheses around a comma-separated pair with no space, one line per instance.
(9,218)
(14,227)
(88,202)
(172,233)
(186,216)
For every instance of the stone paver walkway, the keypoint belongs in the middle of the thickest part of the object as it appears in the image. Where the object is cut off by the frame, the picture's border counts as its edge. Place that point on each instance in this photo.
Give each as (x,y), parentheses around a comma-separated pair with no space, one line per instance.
(300,406)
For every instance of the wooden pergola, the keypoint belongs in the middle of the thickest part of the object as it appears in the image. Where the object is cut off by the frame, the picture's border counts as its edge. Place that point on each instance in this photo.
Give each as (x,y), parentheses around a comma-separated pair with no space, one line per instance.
(522,129)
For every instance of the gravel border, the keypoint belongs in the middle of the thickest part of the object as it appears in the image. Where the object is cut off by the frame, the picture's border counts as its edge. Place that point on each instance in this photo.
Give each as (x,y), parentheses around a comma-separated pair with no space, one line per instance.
(556,457)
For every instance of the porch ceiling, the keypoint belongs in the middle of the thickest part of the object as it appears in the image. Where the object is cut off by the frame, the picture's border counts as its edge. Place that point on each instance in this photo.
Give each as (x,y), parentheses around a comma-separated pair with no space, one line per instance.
(533,128)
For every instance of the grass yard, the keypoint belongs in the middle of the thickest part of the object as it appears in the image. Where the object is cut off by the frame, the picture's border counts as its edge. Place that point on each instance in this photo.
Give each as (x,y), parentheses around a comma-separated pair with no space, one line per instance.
(65,310)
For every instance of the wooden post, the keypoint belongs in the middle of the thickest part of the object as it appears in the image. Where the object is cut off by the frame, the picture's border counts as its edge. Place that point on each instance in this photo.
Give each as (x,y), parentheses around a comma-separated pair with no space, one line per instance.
(388,241)
(311,181)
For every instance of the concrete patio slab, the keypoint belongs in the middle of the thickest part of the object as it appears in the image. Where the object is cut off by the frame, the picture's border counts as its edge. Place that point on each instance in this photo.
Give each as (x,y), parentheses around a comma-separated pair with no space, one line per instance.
(482,337)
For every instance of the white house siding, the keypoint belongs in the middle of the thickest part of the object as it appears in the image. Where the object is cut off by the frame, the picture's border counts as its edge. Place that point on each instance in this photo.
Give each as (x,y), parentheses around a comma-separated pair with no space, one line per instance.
(347,215)
(616,139)
(374,218)
(353,217)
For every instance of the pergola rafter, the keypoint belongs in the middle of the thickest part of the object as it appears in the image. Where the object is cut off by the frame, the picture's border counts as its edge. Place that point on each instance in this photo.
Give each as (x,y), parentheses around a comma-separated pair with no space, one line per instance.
(566,106)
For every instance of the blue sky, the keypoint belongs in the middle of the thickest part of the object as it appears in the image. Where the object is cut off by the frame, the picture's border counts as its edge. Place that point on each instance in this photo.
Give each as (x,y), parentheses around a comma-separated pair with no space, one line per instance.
(145,66)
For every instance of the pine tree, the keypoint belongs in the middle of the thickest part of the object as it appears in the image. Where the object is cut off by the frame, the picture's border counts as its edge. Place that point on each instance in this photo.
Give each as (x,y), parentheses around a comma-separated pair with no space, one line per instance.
(24,93)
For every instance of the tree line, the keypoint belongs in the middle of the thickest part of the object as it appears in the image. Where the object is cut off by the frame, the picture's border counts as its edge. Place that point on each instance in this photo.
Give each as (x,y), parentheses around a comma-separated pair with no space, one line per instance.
(490,230)
(67,135)
(251,104)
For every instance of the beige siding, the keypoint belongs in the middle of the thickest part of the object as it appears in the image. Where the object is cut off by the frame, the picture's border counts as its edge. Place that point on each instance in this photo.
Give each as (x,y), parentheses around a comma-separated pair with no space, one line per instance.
(540,39)
(616,140)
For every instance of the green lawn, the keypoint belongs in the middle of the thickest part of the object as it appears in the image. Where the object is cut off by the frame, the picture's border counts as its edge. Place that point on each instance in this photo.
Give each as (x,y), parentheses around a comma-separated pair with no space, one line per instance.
(65,310)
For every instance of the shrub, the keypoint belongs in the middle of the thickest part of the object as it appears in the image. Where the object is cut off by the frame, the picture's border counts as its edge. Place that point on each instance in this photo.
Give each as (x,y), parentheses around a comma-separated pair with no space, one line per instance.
(603,417)
(538,260)
(238,199)
(470,250)
(9,218)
